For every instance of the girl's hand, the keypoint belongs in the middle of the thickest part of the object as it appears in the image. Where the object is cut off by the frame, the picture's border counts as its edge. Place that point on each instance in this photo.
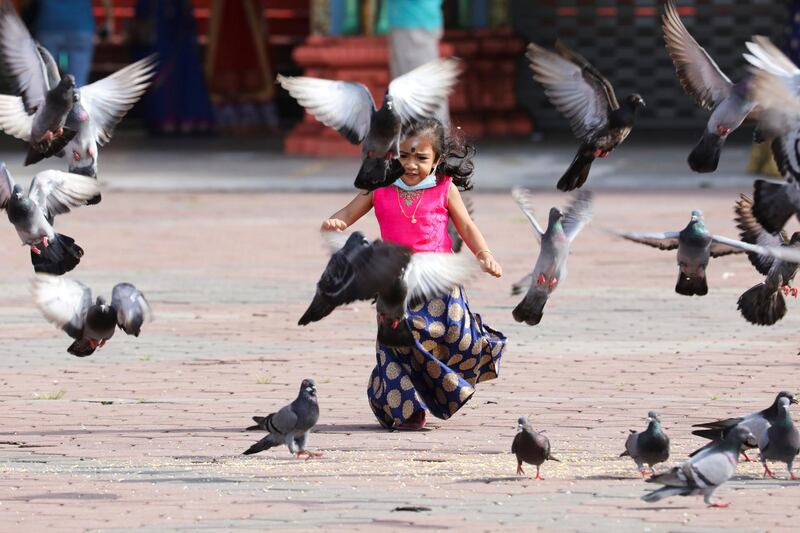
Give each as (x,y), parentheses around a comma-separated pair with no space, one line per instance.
(334,224)
(489,265)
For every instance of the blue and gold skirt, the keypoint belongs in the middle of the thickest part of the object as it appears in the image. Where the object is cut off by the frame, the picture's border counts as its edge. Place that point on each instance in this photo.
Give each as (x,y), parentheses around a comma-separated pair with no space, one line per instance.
(452,352)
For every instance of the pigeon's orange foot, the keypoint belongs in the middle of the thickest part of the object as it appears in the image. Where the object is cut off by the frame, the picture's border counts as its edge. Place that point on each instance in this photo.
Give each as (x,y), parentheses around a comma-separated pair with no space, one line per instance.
(93,344)
(793,477)
(768,472)
(539,476)
(520,471)
(598,152)
(47,137)
(794,291)
(35,250)
(719,505)
(101,343)
(746,458)
(644,474)
(308,454)
(45,242)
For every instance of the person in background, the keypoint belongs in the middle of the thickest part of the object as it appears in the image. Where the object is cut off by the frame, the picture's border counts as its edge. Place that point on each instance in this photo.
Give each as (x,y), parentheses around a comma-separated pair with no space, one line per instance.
(67,29)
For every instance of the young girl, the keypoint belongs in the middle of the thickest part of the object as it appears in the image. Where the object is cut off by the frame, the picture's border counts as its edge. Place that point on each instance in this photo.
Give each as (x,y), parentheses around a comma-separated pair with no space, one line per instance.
(453,349)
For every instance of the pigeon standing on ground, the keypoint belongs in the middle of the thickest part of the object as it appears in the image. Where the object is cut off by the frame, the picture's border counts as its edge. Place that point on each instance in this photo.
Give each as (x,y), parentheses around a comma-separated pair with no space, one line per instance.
(709,87)
(68,304)
(51,193)
(705,472)
(587,99)
(650,446)
(780,441)
(291,424)
(551,265)
(757,423)
(530,447)
(348,107)
(764,304)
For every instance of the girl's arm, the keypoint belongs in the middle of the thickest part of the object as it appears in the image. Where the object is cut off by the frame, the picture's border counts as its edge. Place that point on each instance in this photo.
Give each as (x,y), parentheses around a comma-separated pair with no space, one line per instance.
(349,214)
(470,233)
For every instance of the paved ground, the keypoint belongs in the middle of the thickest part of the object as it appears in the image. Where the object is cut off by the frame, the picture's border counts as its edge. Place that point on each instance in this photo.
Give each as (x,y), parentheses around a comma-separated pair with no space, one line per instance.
(145,435)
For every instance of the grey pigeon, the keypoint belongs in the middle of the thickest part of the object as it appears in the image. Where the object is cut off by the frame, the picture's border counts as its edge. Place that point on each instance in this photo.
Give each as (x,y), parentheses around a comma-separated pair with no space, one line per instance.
(650,446)
(705,472)
(291,424)
(764,303)
(709,87)
(348,107)
(550,269)
(587,100)
(755,422)
(530,447)
(775,202)
(68,304)
(780,441)
(51,193)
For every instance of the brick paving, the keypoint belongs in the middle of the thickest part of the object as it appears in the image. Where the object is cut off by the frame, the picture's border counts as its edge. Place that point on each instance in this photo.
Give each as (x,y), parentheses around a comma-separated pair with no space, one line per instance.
(146,434)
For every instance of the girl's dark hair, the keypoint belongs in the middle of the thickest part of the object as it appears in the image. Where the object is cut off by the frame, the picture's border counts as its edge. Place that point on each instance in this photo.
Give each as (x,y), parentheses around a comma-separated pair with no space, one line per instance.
(454,153)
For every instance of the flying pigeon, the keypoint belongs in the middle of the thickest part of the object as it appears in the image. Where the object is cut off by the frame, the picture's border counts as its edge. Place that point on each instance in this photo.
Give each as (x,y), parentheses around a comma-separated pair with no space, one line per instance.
(780,441)
(530,447)
(68,304)
(755,423)
(650,446)
(705,472)
(348,107)
(291,424)
(551,265)
(587,99)
(709,87)
(775,202)
(51,193)
(764,304)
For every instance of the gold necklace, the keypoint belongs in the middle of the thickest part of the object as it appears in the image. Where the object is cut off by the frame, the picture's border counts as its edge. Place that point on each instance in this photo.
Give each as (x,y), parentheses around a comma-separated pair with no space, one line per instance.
(413,216)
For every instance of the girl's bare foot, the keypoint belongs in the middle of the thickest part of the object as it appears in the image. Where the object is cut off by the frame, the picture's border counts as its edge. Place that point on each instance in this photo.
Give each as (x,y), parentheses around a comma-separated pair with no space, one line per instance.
(414,423)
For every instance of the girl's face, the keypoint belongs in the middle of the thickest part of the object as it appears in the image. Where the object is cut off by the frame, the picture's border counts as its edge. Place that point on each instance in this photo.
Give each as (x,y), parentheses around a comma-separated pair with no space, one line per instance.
(418,159)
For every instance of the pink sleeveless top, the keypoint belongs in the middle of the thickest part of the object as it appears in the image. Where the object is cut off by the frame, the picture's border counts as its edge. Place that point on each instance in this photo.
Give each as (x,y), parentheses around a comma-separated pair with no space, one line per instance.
(427,206)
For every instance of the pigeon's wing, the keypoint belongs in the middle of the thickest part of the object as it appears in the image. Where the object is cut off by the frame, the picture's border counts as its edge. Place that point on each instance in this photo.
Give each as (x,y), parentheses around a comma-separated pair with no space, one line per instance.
(724,246)
(786,152)
(775,85)
(344,106)
(377,266)
(719,424)
(22,59)
(709,469)
(63,302)
(667,240)
(754,233)
(14,119)
(582,101)
(578,214)
(107,100)
(50,66)
(431,274)
(56,191)
(6,185)
(590,72)
(283,421)
(418,94)
(131,307)
(523,199)
(699,75)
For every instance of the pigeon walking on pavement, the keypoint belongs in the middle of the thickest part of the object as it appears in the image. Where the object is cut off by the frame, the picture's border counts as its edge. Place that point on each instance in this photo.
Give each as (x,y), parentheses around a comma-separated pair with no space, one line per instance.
(764,303)
(587,99)
(348,107)
(780,441)
(68,304)
(550,269)
(709,87)
(649,447)
(705,472)
(51,193)
(530,447)
(291,424)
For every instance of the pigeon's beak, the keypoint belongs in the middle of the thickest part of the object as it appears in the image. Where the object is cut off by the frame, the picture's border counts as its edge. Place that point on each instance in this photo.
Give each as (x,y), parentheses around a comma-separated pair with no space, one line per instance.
(751,441)
(312,390)
(792,400)
(649,419)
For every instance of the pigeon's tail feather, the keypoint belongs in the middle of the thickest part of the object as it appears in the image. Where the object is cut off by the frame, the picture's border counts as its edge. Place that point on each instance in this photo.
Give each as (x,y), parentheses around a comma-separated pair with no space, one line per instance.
(264,444)
(552,458)
(705,156)
(53,148)
(762,305)
(689,286)
(261,424)
(703,448)
(665,492)
(59,257)
(399,335)
(624,454)
(82,348)
(531,308)
(377,172)
(578,171)
(772,206)
(317,310)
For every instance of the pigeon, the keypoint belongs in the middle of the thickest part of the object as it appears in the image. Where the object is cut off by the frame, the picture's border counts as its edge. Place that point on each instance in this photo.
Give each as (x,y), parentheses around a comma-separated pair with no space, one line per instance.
(756,423)
(51,193)
(709,87)
(39,116)
(780,441)
(764,304)
(530,447)
(705,472)
(348,107)
(775,202)
(650,446)
(291,424)
(587,99)
(551,265)
(68,304)
(390,274)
